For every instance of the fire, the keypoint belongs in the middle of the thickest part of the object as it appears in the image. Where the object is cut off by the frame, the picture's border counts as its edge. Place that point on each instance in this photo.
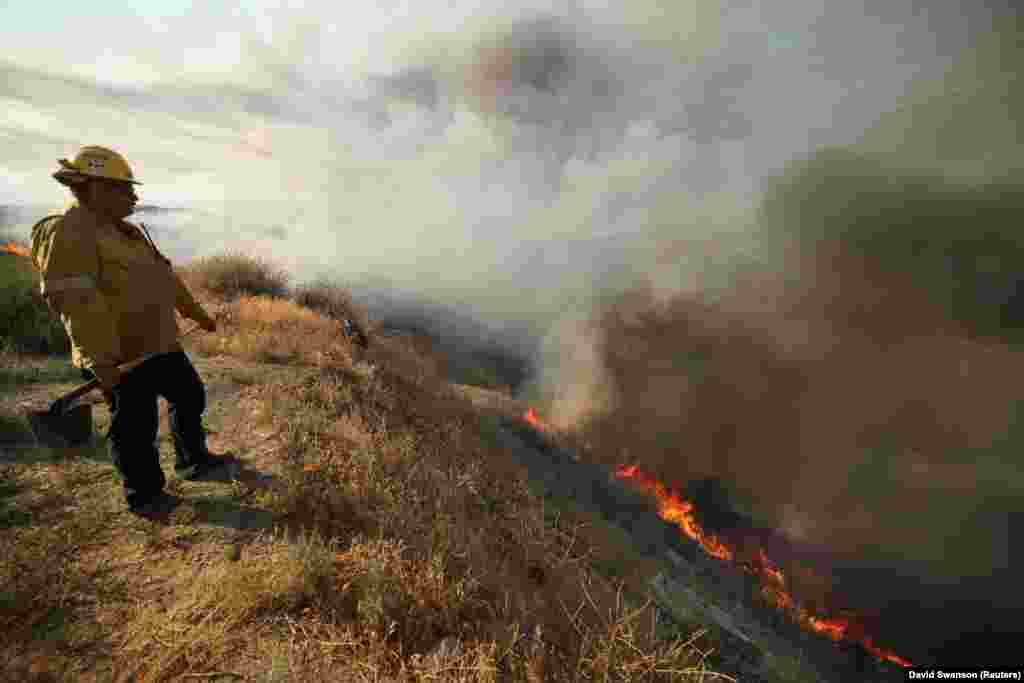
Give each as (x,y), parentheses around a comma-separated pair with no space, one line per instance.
(674,509)
(12,248)
(535,421)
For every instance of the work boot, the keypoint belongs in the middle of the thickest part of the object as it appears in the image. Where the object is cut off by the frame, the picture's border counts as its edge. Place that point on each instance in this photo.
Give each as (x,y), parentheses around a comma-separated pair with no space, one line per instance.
(156,506)
(208,464)
(141,493)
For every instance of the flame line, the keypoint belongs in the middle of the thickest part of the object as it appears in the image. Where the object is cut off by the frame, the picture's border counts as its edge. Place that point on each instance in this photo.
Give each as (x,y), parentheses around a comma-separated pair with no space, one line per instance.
(672,508)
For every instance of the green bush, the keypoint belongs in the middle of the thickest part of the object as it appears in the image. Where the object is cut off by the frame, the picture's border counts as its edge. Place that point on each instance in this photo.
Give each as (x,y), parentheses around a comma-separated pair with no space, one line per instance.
(26,324)
(233,275)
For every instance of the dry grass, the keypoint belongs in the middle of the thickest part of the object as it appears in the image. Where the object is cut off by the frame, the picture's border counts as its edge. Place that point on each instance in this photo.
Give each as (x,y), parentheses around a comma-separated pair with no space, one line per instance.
(275,330)
(371,454)
(256,321)
(52,512)
(372,610)
(407,548)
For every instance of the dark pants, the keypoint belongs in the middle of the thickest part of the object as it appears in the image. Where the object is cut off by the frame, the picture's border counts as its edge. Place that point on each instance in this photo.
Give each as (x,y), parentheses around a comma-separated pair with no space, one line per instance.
(135,421)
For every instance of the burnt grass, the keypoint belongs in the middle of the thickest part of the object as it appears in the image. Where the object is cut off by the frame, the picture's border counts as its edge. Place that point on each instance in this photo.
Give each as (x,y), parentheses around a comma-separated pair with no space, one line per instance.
(736,592)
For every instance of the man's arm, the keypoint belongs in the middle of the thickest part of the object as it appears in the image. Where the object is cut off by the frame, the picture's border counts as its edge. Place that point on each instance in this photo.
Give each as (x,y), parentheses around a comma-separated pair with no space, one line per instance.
(184,302)
(188,306)
(68,263)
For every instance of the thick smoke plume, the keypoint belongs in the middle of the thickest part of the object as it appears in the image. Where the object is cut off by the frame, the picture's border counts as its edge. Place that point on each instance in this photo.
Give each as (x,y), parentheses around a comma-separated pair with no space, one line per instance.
(853,386)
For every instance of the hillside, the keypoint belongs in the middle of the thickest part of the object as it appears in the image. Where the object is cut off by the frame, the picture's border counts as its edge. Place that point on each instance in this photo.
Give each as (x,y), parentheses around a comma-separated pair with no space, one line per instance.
(380,523)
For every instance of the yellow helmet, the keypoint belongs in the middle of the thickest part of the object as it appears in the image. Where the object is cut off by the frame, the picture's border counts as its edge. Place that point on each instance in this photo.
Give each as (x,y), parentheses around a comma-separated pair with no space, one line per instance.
(94,162)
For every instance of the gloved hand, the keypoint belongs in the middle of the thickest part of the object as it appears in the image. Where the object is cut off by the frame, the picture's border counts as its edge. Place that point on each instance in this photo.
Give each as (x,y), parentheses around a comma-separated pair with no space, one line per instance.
(108,375)
(207,323)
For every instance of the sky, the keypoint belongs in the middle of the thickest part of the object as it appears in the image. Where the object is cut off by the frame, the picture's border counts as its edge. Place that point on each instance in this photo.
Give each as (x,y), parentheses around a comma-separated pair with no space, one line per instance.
(510,157)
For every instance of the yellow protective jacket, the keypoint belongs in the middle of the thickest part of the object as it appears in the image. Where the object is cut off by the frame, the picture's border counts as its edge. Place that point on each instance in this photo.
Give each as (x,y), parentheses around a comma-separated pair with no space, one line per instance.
(114,292)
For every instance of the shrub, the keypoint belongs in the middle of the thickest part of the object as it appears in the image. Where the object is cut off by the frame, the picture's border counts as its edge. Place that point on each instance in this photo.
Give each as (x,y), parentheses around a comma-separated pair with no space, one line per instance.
(325,297)
(233,275)
(26,324)
(333,301)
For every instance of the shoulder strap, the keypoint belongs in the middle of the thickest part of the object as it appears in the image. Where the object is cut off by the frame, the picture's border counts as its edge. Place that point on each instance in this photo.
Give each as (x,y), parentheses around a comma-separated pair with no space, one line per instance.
(44,219)
(36,232)
(152,244)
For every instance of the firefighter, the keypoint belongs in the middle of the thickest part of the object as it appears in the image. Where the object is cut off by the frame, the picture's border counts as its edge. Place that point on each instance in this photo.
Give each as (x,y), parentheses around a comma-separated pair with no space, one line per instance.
(116,295)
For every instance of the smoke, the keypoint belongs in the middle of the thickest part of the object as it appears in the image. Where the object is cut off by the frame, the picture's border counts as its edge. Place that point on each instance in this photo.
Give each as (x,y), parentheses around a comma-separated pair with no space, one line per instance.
(518,161)
(851,380)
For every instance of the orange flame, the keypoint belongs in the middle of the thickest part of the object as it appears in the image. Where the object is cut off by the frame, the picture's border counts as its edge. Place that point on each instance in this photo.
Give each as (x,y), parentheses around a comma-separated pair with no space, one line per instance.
(674,509)
(12,248)
(535,421)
